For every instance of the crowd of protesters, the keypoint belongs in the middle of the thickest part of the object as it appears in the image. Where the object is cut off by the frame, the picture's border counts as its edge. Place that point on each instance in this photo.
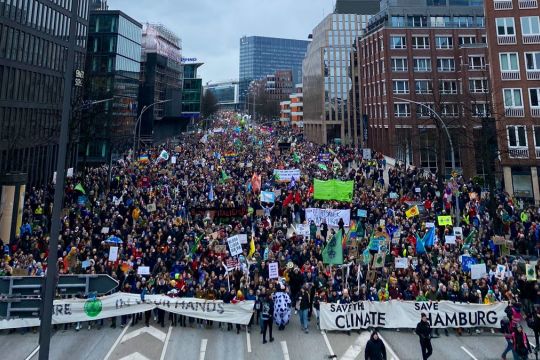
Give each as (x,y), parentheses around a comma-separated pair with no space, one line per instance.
(174,212)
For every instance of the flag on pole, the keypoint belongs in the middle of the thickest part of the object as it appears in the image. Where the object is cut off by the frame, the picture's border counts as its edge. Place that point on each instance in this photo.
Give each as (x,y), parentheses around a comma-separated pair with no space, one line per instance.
(531,272)
(469,239)
(224,176)
(296,158)
(80,188)
(196,244)
(333,251)
(252,244)
(164,156)
(429,238)
(413,211)
(420,246)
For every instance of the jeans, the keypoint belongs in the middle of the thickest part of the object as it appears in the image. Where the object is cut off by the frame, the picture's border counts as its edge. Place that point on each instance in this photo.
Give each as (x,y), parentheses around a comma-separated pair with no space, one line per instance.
(303,318)
(509,347)
(426,348)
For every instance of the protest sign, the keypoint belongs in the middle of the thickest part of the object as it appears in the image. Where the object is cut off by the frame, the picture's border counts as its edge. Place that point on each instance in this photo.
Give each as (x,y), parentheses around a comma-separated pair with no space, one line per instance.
(235,247)
(366,154)
(500,272)
(401,263)
(268,197)
(417,190)
(173,159)
(143,270)
(430,225)
(287,175)
(273,272)
(85,264)
(361,213)
(69,173)
(478,271)
(243,238)
(331,216)
(450,239)
(333,190)
(302,229)
(444,220)
(458,232)
(405,314)
(499,240)
(530,270)
(151,207)
(113,253)
(394,195)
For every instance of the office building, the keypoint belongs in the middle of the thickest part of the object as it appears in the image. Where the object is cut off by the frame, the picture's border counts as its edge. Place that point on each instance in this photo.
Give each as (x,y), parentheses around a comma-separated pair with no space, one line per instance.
(161,80)
(113,66)
(279,85)
(261,56)
(227,94)
(34,37)
(422,67)
(191,92)
(327,79)
(513,31)
(358,7)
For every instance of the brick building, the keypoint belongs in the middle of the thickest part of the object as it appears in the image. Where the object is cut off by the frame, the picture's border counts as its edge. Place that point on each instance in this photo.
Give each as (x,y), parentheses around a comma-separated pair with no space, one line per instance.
(513,30)
(279,85)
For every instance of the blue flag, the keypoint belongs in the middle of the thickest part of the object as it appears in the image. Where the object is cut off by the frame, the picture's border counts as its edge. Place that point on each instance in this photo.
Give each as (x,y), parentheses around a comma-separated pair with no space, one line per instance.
(211,193)
(466,262)
(420,247)
(429,238)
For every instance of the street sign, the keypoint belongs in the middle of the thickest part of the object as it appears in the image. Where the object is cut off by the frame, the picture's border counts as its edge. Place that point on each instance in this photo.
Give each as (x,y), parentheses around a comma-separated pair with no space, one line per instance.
(20,286)
(20,308)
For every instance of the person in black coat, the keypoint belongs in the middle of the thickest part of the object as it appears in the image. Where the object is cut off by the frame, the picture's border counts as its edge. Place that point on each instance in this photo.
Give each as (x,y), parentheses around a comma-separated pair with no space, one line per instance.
(423,330)
(375,349)
(267,312)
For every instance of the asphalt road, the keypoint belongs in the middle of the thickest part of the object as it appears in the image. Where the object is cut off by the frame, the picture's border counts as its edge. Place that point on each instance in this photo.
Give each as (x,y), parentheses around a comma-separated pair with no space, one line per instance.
(155,343)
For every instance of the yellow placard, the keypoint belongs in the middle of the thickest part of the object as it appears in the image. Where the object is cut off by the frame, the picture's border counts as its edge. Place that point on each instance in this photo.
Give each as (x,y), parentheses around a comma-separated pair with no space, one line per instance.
(444,220)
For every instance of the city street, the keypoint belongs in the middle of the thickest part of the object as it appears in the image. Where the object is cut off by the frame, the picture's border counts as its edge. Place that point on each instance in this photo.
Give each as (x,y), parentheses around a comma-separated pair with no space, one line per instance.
(140,343)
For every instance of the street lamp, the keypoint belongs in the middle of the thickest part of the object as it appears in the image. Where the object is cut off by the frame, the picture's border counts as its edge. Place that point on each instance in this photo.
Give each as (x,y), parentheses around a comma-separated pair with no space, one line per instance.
(452,156)
(135,138)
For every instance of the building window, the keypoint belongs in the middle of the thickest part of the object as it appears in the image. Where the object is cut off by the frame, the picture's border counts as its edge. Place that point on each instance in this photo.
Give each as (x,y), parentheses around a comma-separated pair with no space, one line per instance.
(463,21)
(420,42)
(402,110)
(505,26)
(530,25)
(424,111)
(467,40)
(398,21)
(477,62)
(532,61)
(534,96)
(423,86)
(513,98)
(439,21)
(447,87)
(450,110)
(399,64)
(536,132)
(517,136)
(418,21)
(398,42)
(422,64)
(444,42)
(509,61)
(478,85)
(480,110)
(400,86)
(446,64)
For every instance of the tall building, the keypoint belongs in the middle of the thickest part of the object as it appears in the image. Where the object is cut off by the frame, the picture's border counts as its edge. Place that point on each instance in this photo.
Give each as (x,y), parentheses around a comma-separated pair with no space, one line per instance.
(359,7)
(226,93)
(260,56)
(513,30)
(297,107)
(327,79)
(191,92)
(161,79)
(33,49)
(422,66)
(279,85)
(113,65)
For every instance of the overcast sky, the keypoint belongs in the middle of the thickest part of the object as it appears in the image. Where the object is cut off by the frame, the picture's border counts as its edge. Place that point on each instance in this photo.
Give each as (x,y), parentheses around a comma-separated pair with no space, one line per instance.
(211,29)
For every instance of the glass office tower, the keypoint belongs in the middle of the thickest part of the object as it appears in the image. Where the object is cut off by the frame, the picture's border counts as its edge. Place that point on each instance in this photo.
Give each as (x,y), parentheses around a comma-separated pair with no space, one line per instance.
(261,56)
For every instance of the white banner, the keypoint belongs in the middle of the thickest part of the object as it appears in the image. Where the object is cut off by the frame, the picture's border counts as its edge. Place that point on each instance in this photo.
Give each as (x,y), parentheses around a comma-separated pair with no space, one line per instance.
(303,229)
(331,216)
(73,310)
(273,270)
(406,314)
(235,246)
(287,175)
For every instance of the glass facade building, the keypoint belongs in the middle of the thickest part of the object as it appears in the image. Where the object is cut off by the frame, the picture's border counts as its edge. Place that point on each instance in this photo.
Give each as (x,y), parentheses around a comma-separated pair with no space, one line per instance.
(33,52)
(226,94)
(191,92)
(261,56)
(113,66)
(328,81)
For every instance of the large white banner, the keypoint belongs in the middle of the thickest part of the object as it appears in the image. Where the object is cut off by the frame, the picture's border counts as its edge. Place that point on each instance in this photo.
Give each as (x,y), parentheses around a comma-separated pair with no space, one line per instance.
(406,314)
(287,175)
(331,216)
(73,310)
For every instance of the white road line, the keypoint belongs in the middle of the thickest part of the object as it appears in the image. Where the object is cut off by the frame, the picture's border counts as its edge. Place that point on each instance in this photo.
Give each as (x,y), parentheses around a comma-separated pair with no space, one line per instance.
(117,341)
(388,348)
(468,353)
(356,348)
(248,340)
(332,354)
(150,330)
(285,350)
(204,342)
(164,351)
(32,353)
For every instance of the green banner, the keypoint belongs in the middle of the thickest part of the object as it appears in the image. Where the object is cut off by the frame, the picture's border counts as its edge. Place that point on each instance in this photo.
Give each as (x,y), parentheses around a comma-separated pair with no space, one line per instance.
(333,251)
(333,190)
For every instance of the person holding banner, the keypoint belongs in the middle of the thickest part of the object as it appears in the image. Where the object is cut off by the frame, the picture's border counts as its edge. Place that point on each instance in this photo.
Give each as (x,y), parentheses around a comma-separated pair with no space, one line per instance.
(423,330)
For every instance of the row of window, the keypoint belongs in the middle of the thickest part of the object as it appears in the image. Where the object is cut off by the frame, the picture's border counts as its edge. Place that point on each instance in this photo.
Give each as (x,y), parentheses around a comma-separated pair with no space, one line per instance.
(530,25)
(445,86)
(513,97)
(446,110)
(19,46)
(24,85)
(444,64)
(510,61)
(28,123)
(517,136)
(437,21)
(424,42)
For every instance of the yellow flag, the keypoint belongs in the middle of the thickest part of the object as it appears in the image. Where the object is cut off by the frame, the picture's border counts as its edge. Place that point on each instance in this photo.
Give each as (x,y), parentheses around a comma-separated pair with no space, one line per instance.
(412,212)
(251,246)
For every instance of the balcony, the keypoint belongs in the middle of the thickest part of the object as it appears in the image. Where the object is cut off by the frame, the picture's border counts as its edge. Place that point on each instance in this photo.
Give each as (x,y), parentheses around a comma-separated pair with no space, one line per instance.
(531,39)
(518,152)
(503,4)
(535,111)
(533,74)
(510,75)
(506,39)
(514,112)
(528,4)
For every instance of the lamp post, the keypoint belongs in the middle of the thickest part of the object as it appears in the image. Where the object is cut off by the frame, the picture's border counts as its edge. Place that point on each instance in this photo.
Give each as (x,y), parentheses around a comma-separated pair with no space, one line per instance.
(452,156)
(137,137)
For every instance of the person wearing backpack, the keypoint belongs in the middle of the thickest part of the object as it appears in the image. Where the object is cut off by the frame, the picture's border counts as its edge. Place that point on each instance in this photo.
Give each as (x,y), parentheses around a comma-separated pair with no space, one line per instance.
(267,317)
(507,332)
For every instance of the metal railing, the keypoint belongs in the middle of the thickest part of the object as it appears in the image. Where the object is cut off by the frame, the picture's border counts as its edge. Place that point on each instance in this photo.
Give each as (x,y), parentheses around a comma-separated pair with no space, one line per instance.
(533,74)
(510,75)
(531,39)
(506,39)
(503,4)
(528,4)
(518,153)
(514,112)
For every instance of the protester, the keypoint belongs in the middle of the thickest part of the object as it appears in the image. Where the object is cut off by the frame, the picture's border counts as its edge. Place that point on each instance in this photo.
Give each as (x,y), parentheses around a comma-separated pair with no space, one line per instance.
(267,315)
(375,349)
(522,348)
(423,330)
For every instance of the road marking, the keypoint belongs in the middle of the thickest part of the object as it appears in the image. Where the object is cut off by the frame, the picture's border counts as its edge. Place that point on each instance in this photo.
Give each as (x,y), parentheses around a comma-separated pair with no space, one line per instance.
(332,354)
(150,330)
(32,353)
(135,356)
(469,353)
(164,351)
(248,339)
(117,341)
(387,345)
(204,342)
(285,350)
(356,348)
